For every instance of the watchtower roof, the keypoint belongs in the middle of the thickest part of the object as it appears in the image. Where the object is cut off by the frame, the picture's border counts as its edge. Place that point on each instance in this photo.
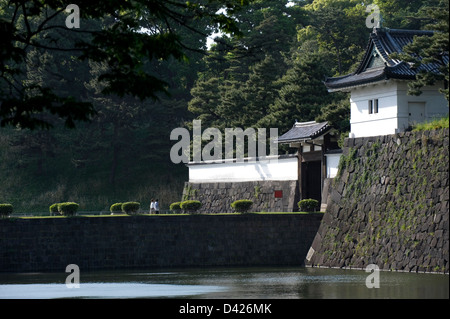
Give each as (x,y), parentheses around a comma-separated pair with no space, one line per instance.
(378,66)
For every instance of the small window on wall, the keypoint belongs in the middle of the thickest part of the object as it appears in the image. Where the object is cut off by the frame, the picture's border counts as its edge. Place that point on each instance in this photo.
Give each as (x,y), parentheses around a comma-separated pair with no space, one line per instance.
(373,106)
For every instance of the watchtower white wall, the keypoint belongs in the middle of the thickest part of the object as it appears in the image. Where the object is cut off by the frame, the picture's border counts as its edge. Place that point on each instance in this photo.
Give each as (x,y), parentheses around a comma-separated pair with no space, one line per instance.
(395,108)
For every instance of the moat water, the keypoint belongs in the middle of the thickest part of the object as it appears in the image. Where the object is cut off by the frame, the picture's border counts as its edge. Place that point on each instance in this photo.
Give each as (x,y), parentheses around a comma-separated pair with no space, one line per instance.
(226,283)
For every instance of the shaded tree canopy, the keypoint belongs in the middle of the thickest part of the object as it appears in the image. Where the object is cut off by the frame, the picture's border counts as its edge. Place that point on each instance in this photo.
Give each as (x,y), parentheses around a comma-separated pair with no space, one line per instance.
(126,35)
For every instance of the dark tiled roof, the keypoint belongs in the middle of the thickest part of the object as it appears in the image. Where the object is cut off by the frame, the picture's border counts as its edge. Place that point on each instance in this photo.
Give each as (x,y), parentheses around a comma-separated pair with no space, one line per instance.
(304,131)
(383,42)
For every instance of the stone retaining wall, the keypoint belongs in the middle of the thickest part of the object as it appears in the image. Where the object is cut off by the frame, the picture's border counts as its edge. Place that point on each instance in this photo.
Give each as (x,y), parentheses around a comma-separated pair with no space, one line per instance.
(130,242)
(217,197)
(389,205)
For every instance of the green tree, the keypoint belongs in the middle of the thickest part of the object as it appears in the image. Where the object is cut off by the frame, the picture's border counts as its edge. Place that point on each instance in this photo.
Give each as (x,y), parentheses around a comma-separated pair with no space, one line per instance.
(302,94)
(261,89)
(128,36)
(430,49)
(339,28)
(404,14)
(337,114)
(238,92)
(205,100)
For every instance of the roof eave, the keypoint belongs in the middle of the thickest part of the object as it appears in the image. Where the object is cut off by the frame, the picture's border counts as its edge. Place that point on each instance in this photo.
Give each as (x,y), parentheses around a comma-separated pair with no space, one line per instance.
(316,136)
(349,87)
(294,140)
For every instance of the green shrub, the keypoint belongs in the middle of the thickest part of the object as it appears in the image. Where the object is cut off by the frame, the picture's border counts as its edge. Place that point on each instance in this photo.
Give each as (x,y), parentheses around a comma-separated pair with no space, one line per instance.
(54,209)
(6,210)
(242,205)
(308,205)
(190,205)
(68,209)
(116,208)
(130,208)
(175,206)
(435,124)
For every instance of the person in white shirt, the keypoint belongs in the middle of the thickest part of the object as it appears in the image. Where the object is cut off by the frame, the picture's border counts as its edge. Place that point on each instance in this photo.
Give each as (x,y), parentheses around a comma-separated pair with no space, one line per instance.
(152,206)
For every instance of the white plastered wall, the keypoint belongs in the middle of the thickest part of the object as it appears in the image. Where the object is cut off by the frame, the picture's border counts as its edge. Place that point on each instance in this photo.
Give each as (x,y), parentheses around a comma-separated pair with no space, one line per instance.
(435,103)
(393,114)
(278,169)
(332,164)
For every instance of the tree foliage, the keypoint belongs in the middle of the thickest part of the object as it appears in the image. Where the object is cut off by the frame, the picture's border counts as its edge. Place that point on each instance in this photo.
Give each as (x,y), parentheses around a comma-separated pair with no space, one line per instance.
(430,49)
(128,36)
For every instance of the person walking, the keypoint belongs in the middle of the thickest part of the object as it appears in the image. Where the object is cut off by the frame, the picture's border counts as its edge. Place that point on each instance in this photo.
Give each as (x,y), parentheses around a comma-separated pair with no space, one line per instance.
(152,206)
(156,206)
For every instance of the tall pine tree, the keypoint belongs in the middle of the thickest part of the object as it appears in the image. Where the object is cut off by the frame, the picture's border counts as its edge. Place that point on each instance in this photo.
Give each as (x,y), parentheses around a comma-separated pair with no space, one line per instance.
(302,94)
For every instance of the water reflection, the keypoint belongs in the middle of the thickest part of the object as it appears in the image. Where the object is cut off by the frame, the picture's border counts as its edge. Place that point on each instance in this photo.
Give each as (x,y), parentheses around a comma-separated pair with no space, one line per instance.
(101,290)
(240,283)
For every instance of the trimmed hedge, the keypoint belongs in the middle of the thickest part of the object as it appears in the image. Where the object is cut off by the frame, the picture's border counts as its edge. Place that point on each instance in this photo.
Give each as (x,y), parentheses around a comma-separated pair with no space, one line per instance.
(68,208)
(54,208)
(242,205)
(6,210)
(308,205)
(175,206)
(130,208)
(190,205)
(116,208)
